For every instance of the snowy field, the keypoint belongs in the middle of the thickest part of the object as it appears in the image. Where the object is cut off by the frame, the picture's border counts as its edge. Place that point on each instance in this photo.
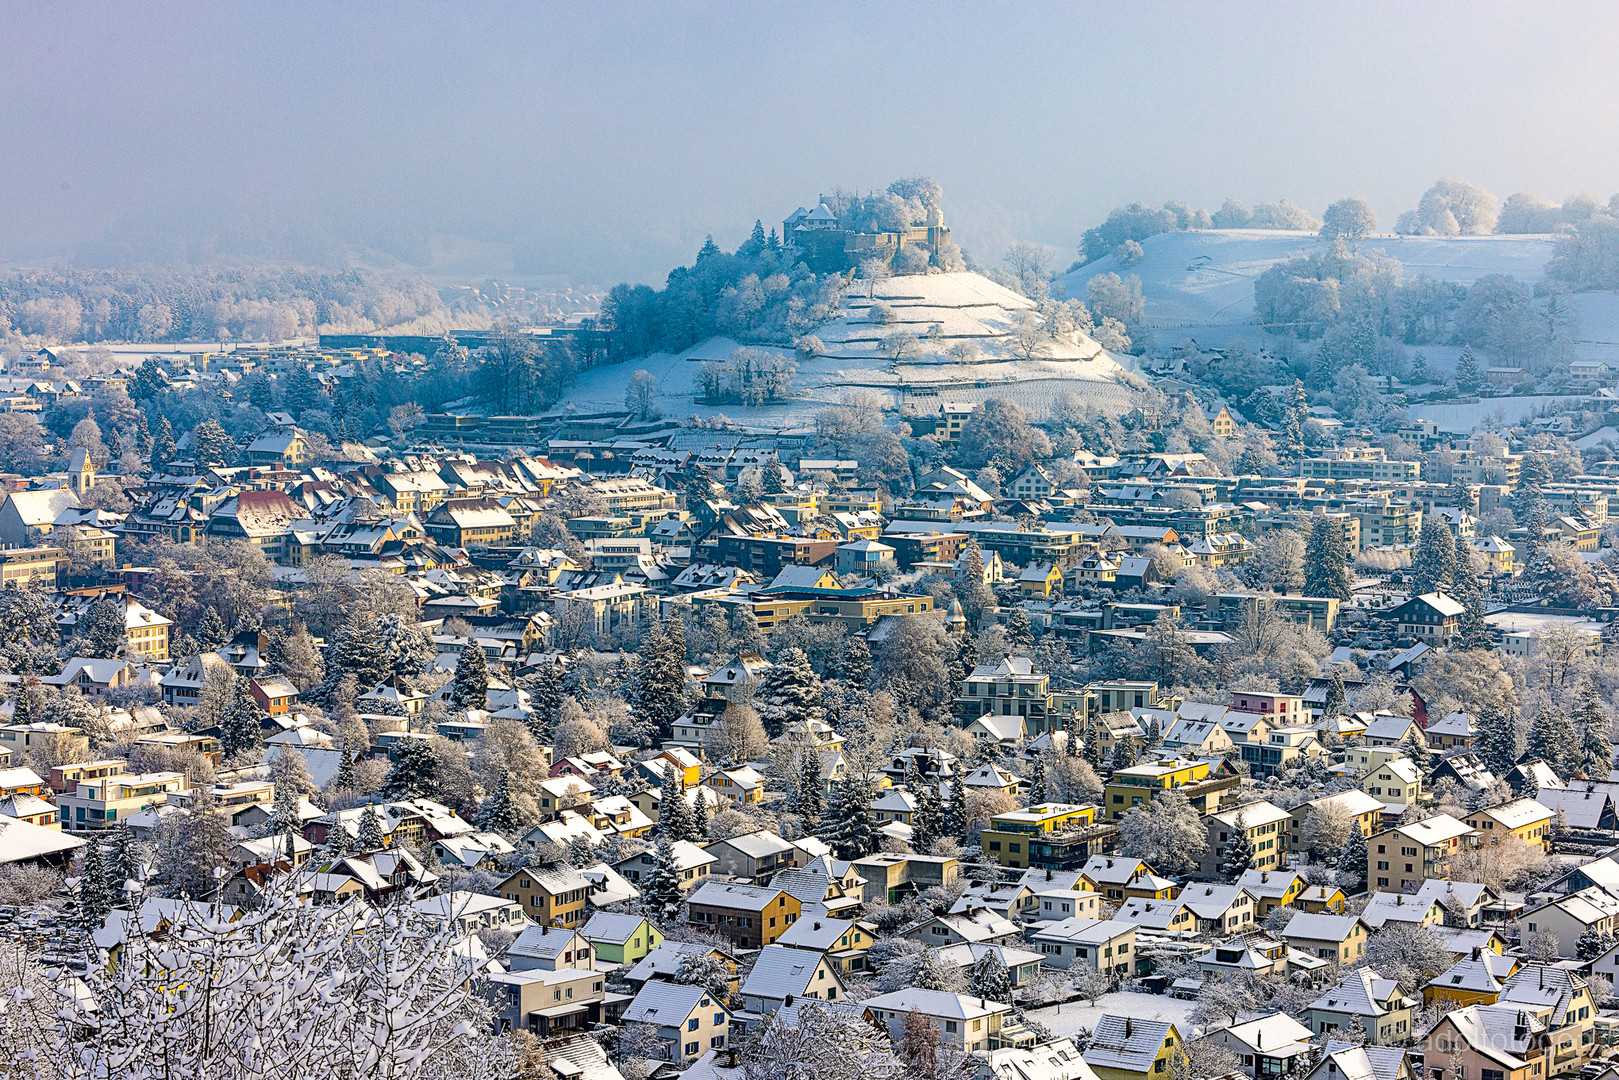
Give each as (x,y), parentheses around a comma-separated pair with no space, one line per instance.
(964,307)
(1464,417)
(1070,1018)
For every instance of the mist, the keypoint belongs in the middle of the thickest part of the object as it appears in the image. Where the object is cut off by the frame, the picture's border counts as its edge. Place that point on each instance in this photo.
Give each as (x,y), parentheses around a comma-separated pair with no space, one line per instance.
(601,142)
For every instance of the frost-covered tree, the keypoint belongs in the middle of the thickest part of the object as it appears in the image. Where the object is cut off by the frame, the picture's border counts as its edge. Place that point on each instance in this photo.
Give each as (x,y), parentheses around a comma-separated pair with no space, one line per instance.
(821,1042)
(790,693)
(1351,219)
(990,978)
(1277,562)
(284,990)
(663,895)
(1352,862)
(415,771)
(1596,744)
(239,731)
(101,631)
(370,838)
(95,889)
(1469,377)
(1552,739)
(1167,832)
(496,812)
(1497,736)
(847,824)
(658,684)
(1238,854)
(1434,569)
(469,689)
(1326,561)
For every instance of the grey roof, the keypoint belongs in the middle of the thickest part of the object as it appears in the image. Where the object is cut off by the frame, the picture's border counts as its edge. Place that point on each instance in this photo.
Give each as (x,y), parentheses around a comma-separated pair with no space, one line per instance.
(666,1003)
(611,927)
(780,971)
(1123,1042)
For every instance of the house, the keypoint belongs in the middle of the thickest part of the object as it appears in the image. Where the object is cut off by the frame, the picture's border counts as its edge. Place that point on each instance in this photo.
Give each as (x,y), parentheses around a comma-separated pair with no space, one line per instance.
(1523,819)
(781,976)
(1397,782)
(1499,1041)
(1220,910)
(843,942)
(1475,979)
(552,897)
(1108,874)
(892,876)
(1329,937)
(1264,824)
(1056,1060)
(1271,889)
(687,1020)
(1347,1061)
(1463,902)
(1040,580)
(1432,618)
(755,856)
(1124,1048)
(1403,857)
(1590,910)
(1384,908)
(976,925)
(964,1024)
(749,916)
(27,515)
(1452,730)
(1087,944)
(1365,811)
(1582,806)
(1021,964)
(620,939)
(1268,1046)
(1165,918)
(1561,998)
(1379,1004)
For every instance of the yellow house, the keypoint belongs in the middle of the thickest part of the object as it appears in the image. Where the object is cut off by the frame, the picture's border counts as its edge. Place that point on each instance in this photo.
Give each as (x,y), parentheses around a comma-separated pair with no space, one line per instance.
(684,762)
(1322,899)
(1124,1048)
(1009,837)
(551,897)
(1040,580)
(1137,785)
(1328,937)
(1473,980)
(1525,819)
(1272,889)
(1498,554)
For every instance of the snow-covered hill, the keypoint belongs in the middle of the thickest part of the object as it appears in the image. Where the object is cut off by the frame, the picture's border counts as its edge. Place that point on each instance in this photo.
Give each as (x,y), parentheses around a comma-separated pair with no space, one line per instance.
(1201,284)
(964,307)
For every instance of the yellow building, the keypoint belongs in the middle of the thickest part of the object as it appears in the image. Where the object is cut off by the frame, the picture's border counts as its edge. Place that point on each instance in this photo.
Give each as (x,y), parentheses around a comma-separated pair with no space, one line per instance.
(1525,819)
(1137,785)
(550,897)
(1473,980)
(1008,836)
(1124,1048)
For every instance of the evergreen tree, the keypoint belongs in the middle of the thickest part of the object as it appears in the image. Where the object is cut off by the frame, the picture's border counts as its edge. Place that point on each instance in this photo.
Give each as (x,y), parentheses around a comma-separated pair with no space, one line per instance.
(810,802)
(847,824)
(345,770)
(239,730)
(1037,780)
(470,687)
(674,812)
(1337,702)
(355,649)
(415,772)
(211,446)
(1326,561)
(211,632)
(857,663)
(1416,748)
(789,693)
(1352,862)
(1534,523)
(927,820)
(496,813)
(1468,376)
(663,895)
(1020,631)
(1552,739)
(1592,944)
(1093,745)
(1498,738)
(658,685)
(1238,854)
(1473,632)
(1434,569)
(1123,754)
(770,481)
(1596,744)
(95,891)
(371,838)
(1155,733)
(700,818)
(125,862)
(990,979)
(955,813)
(22,709)
(545,699)
(163,448)
(101,632)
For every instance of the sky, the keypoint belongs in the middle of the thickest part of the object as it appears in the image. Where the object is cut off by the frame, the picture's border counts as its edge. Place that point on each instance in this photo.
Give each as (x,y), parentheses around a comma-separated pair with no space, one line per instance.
(601,141)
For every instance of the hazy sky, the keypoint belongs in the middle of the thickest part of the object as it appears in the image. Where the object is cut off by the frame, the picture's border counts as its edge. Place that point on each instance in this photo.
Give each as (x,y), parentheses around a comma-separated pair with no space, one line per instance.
(602,140)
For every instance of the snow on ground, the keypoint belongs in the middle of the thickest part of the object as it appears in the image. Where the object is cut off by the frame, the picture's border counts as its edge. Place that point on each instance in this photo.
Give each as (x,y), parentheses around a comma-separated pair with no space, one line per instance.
(1069,1019)
(965,307)
(1464,417)
(1201,284)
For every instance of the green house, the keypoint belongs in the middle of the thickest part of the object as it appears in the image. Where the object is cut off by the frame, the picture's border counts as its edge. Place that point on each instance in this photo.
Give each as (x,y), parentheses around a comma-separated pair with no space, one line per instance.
(620,939)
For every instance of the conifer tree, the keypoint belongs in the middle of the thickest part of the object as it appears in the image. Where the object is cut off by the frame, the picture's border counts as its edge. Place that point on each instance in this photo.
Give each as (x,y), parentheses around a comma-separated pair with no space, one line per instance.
(1434,569)
(125,862)
(789,693)
(415,772)
(1535,529)
(371,838)
(857,663)
(810,802)
(1552,739)
(674,812)
(163,448)
(1337,702)
(1498,738)
(545,700)
(700,818)
(1093,745)
(211,446)
(469,689)
(1473,632)
(1020,631)
(847,824)
(1596,744)
(927,820)
(1352,862)
(1123,754)
(663,895)
(658,684)
(95,893)
(1416,748)
(239,730)
(355,649)
(23,711)
(496,813)
(955,813)
(101,633)
(1155,733)
(1037,780)
(1326,561)
(1468,376)
(1238,854)
(990,979)
(345,770)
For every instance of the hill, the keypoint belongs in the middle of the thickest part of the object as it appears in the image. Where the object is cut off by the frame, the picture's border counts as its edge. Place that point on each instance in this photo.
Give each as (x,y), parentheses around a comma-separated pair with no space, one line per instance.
(965,307)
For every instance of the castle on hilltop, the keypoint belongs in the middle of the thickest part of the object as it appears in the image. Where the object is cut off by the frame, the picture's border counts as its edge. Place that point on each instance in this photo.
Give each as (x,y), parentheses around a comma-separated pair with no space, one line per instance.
(824,245)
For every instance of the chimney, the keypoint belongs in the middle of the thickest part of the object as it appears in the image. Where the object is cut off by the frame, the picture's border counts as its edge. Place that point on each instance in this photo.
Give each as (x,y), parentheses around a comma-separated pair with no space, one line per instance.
(1129,1027)
(817,924)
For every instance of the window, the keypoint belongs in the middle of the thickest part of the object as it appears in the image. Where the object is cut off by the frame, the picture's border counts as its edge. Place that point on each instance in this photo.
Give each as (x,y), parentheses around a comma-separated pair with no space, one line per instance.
(691,1025)
(692,1048)
(950,1025)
